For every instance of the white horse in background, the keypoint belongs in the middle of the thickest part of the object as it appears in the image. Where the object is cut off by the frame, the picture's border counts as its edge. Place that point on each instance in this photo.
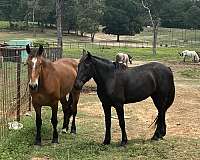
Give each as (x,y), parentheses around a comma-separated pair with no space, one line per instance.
(192,54)
(123,58)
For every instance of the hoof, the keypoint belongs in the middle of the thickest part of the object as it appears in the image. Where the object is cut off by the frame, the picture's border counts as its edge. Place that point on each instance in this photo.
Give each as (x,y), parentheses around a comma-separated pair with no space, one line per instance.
(73,131)
(38,143)
(123,143)
(156,138)
(55,141)
(64,130)
(106,142)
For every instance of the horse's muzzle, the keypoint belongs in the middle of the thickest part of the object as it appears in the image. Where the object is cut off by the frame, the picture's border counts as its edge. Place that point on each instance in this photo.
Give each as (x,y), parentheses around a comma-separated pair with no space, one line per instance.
(33,87)
(78,84)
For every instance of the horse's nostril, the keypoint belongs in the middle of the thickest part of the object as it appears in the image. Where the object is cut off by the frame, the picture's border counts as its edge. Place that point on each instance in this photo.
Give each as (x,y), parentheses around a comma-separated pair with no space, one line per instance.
(33,86)
(78,85)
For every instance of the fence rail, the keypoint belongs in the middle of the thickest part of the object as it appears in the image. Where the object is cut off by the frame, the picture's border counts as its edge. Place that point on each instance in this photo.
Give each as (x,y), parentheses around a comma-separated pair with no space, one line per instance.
(14,93)
(142,44)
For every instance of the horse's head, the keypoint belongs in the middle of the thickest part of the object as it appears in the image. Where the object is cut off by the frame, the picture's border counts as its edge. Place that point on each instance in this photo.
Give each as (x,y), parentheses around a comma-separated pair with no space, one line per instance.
(34,62)
(130,58)
(85,70)
(180,54)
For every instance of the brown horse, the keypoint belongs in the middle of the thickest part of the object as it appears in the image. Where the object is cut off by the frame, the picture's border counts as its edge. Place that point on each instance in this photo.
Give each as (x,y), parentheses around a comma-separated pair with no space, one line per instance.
(50,82)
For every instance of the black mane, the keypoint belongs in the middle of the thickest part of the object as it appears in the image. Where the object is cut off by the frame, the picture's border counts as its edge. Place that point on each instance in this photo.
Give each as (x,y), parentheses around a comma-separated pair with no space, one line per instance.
(117,66)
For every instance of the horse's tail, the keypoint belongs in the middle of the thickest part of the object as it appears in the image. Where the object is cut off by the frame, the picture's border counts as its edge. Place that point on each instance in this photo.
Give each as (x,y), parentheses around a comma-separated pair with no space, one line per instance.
(155,122)
(169,98)
(171,93)
(130,58)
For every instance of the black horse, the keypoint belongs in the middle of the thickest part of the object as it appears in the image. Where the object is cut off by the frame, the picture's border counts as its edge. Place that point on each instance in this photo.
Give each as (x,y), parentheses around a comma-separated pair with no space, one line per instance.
(116,87)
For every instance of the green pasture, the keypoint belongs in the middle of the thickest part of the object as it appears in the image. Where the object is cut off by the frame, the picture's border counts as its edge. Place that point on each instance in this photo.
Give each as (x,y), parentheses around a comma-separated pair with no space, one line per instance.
(86,145)
(4,25)
(142,54)
(166,36)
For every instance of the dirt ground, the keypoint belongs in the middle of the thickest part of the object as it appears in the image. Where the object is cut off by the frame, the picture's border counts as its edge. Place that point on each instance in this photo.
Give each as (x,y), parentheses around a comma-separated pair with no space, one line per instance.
(183,117)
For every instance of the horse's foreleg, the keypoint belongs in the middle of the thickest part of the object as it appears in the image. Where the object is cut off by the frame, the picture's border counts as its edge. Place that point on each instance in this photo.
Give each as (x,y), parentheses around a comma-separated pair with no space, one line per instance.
(75,95)
(120,113)
(107,112)
(38,125)
(54,122)
(184,58)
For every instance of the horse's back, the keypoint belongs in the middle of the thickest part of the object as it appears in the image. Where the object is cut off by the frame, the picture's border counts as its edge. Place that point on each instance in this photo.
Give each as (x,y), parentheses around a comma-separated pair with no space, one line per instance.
(67,61)
(147,79)
(65,73)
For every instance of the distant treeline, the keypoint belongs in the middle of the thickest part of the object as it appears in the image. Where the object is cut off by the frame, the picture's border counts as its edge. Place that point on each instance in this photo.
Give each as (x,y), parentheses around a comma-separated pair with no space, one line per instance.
(119,17)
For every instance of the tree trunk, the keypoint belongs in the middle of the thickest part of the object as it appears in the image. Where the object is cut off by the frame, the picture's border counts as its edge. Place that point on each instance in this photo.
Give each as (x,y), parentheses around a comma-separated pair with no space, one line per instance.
(27,23)
(42,27)
(59,23)
(92,37)
(118,38)
(155,36)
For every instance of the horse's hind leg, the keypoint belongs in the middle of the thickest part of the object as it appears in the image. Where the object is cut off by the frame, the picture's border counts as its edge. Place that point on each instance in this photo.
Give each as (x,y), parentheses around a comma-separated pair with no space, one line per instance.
(67,111)
(161,104)
(75,95)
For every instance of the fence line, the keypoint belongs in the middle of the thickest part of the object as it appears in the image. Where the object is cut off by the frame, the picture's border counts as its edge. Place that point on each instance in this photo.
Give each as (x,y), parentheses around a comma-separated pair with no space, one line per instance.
(145,44)
(14,94)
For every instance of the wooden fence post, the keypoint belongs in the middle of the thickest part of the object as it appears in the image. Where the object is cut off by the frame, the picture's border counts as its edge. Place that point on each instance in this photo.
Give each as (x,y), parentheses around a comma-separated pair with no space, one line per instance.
(18,54)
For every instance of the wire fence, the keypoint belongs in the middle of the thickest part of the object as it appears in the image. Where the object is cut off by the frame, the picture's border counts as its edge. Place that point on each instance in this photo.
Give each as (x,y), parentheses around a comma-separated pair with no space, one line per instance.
(14,92)
(123,44)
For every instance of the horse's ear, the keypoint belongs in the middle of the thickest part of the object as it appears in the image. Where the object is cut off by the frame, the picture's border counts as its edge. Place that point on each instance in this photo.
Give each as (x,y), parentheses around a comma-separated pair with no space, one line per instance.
(84,52)
(41,50)
(28,49)
(89,54)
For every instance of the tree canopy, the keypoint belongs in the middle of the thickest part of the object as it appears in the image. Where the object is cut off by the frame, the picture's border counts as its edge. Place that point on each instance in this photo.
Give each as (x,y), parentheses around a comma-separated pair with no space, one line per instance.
(121,17)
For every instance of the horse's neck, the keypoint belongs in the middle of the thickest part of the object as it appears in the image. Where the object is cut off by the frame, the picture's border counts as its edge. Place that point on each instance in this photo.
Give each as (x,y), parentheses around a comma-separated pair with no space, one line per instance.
(47,70)
(104,73)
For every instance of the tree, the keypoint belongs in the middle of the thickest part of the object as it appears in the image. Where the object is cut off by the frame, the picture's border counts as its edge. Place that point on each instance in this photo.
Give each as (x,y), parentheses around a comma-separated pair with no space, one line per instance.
(43,9)
(59,5)
(121,17)
(154,8)
(173,14)
(89,16)
(70,15)
(192,17)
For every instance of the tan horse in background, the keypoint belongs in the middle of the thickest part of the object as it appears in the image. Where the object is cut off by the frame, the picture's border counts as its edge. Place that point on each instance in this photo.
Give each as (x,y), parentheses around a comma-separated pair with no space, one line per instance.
(123,58)
(50,82)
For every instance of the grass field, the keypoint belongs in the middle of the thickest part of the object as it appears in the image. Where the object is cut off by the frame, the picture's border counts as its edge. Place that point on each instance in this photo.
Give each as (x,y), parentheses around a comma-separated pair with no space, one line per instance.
(87,143)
